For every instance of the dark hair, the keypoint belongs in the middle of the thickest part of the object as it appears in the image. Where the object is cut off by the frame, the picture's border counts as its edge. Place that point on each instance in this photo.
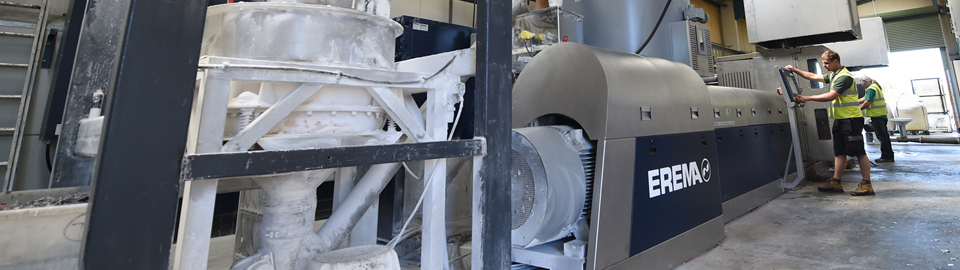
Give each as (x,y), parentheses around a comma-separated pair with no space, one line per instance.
(832,55)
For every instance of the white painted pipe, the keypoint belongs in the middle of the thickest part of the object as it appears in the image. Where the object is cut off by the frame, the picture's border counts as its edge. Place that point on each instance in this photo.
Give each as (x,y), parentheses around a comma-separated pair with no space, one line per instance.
(349,212)
(289,209)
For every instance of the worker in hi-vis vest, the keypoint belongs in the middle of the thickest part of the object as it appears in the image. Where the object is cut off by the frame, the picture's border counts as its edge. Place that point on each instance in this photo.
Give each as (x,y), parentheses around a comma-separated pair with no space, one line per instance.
(847,123)
(875,107)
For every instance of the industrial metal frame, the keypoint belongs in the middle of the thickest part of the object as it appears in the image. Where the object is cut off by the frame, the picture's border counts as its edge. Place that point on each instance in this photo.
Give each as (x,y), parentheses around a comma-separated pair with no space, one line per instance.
(209,120)
(130,222)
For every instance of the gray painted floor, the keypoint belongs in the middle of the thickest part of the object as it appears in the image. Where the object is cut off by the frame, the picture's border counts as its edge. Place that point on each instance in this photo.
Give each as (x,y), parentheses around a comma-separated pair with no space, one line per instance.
(912,223)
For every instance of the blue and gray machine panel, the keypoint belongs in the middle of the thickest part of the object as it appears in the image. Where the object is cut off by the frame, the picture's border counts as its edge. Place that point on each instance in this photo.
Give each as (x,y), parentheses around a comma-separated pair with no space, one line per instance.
(753,139)
(671,153)
(644,115)
(751,157)
(676,187)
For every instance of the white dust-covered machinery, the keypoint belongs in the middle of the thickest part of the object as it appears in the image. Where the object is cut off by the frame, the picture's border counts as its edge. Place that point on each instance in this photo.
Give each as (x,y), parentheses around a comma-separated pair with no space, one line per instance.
(619,160)
(278,76)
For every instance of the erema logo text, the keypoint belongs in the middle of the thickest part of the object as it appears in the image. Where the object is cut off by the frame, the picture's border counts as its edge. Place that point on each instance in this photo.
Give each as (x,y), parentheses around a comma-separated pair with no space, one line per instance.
(678,177)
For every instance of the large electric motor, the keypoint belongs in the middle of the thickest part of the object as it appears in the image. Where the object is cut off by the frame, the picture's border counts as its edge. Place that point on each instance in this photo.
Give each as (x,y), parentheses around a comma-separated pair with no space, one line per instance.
(549,183)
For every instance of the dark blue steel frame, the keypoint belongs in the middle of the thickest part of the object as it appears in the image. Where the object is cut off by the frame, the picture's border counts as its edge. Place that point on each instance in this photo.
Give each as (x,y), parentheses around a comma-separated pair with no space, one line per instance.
(130,221)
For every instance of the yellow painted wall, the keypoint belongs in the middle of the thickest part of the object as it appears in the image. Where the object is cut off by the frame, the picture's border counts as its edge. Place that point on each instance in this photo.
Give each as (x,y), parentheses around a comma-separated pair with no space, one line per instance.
(716,32)
(463,13)
(744,39)
(884,6)
(437,10)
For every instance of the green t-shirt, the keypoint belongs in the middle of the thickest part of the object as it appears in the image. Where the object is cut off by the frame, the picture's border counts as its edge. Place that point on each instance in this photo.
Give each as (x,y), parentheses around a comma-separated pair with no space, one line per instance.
(869,96)
(842,84)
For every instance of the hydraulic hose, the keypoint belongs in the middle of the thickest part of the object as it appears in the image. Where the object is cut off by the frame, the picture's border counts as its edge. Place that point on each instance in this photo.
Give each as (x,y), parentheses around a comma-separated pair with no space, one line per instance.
(660,20)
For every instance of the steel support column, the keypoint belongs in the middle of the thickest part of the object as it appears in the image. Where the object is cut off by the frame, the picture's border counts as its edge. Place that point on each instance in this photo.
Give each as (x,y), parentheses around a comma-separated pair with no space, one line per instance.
(63,66)
(96,51)
(491,186)
(131,217)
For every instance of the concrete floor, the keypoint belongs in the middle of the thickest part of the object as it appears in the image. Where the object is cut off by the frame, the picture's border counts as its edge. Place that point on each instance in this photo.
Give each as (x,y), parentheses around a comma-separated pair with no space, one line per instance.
(912,223)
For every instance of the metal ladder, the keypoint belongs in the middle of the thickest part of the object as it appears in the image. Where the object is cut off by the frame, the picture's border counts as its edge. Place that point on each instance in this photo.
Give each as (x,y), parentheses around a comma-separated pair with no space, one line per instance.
(15,133)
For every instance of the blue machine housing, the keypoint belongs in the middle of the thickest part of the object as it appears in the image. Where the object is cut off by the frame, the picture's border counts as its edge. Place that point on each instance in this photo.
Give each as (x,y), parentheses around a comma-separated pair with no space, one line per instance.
(659,215)
(753,140)
(741,149)
(669,151)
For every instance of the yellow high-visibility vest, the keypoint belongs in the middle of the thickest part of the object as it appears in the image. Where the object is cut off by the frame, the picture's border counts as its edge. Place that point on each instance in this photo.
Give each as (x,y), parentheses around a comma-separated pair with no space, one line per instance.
(846,105)
(878,107)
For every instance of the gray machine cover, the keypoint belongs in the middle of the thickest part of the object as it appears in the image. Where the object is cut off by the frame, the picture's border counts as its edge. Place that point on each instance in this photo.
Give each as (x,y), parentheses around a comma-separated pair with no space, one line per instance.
(618,98)
(612,94)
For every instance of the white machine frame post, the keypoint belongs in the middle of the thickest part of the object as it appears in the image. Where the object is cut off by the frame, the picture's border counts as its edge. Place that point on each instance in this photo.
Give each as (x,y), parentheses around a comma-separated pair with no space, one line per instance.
(205,136)
(433,254)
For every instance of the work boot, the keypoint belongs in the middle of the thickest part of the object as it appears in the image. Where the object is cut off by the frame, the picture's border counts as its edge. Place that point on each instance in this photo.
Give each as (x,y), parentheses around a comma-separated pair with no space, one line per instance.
(863,189)
(831,186)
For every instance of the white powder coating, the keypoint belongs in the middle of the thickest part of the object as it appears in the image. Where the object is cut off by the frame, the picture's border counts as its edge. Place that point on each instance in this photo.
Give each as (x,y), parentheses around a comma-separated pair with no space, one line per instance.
(302,33)
(359,257)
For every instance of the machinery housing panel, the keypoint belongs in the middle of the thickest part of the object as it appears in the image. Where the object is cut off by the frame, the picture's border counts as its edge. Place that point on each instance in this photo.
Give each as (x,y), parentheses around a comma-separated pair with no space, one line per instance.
(659,215)
(794,23)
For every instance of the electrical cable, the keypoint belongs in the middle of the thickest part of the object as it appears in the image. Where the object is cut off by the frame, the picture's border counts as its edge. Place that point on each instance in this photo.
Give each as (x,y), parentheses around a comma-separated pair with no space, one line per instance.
(456,120)
(528,48)
(411,232)
(47,154)
(410,171)
(457,243)
(460,257)
(326,72)
(660,20)
(445,66)
(393,243)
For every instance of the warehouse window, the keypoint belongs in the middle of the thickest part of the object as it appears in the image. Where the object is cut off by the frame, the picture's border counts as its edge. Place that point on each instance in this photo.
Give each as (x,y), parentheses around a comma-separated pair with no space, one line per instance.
(813,66)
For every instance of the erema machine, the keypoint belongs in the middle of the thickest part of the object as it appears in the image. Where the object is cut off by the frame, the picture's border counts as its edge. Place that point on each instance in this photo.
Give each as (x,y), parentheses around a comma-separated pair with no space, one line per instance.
(662,159)
(654,151)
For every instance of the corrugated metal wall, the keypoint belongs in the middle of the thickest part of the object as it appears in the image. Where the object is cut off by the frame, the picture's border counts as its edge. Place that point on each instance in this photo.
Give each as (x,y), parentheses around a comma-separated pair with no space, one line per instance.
(914,33)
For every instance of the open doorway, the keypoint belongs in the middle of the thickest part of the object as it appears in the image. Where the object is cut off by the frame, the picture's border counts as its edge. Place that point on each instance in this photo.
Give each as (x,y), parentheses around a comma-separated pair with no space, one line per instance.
(914,78)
